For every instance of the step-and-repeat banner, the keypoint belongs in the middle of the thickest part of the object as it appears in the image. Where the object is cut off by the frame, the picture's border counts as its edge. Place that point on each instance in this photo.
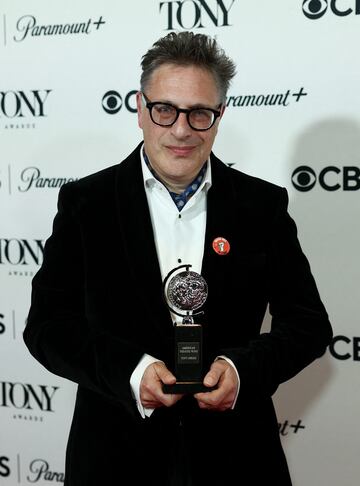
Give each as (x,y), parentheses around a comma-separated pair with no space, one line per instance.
(69,74)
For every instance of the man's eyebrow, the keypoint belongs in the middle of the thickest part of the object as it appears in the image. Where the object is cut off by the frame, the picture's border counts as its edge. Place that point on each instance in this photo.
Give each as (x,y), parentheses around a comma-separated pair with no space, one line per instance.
(191,107)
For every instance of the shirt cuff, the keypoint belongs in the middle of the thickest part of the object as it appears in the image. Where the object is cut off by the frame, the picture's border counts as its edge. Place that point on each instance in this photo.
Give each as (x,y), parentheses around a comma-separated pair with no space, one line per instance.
(237,374)
(135,381)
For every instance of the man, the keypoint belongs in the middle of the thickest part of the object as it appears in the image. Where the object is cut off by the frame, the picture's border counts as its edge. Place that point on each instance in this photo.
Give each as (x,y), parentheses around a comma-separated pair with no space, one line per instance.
(108,328)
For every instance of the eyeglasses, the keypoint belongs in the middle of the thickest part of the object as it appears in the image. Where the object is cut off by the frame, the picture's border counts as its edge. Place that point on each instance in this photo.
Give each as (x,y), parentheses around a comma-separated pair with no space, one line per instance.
(165,115)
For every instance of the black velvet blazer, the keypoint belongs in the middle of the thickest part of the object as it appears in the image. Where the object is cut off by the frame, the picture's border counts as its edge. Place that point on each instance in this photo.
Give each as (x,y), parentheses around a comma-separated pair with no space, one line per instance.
(97,306)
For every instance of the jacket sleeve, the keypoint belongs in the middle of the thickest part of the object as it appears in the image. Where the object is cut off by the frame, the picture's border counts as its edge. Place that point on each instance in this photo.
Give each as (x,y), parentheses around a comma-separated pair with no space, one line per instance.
(300,329)
(58,333)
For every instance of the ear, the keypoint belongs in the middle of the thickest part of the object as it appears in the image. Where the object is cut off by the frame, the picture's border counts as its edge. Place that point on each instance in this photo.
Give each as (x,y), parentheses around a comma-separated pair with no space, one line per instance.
(140,108)
(222,110)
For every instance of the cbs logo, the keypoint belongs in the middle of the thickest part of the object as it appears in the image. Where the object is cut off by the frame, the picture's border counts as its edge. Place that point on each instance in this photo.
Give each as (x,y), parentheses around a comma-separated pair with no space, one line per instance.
(112,102)
(314,9)
(2,324)
(330,178)
(344,348)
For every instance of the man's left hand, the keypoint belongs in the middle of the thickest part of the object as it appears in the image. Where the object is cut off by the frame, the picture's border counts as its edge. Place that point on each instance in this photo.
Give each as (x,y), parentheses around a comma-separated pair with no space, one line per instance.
(222,375)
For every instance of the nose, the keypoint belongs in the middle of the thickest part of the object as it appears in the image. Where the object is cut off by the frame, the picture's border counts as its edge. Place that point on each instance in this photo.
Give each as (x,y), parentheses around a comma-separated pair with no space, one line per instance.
(181,129)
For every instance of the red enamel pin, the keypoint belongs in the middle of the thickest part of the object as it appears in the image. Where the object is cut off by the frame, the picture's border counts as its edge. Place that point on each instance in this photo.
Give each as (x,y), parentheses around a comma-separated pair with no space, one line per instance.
(221,246)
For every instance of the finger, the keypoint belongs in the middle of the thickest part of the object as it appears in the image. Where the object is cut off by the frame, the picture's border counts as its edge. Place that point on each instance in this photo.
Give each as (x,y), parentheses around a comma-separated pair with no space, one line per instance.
(151,404)
(154,397)
(216,371)
(169,399)
(220,406)
(164,374)
(210,398)
(211,378)
(151,392)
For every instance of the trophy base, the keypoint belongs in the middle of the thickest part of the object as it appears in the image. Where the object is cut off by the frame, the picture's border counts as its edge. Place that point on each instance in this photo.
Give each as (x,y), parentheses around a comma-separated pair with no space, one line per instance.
(190,387)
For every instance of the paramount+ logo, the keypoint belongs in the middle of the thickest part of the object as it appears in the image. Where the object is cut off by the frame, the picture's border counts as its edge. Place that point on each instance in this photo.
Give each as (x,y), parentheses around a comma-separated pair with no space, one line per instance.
(38,470)
(315,9)
(331,178)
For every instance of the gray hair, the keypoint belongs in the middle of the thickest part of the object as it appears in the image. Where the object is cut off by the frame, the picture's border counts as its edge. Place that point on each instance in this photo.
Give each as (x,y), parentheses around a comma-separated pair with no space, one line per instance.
(186,49)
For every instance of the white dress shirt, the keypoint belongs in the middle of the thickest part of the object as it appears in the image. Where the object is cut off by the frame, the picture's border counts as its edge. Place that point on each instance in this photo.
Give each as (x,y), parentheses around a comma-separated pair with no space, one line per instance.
(171,229)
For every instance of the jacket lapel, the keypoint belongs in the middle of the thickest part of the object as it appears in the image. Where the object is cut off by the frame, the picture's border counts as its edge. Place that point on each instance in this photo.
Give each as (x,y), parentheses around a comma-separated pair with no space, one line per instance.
(220,223)
(138,239)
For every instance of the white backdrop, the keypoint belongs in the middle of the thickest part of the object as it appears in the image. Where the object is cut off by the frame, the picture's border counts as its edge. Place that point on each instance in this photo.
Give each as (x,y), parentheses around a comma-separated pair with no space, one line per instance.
(292,118)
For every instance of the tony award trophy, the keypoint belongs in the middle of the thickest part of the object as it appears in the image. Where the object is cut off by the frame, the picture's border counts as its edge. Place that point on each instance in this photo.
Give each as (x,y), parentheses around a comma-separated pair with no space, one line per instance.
(185,292)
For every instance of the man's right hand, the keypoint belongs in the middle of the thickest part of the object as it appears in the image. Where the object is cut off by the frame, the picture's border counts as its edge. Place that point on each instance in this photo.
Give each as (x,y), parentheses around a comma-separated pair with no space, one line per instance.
(151,394)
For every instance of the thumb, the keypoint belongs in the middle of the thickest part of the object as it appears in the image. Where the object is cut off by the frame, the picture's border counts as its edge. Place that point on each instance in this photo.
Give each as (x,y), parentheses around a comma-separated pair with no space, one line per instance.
(213,376)
(164,374)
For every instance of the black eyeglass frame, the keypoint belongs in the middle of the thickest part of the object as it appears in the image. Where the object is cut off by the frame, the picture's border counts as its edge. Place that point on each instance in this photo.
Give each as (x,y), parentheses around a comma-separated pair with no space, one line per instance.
(150,104)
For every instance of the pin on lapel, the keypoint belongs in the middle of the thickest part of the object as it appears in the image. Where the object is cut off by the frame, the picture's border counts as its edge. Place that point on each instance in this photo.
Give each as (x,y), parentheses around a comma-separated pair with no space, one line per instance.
(221,246)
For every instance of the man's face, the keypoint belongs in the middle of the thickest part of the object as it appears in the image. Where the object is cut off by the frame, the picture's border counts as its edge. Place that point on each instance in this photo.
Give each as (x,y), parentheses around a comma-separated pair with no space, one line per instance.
(178,152)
